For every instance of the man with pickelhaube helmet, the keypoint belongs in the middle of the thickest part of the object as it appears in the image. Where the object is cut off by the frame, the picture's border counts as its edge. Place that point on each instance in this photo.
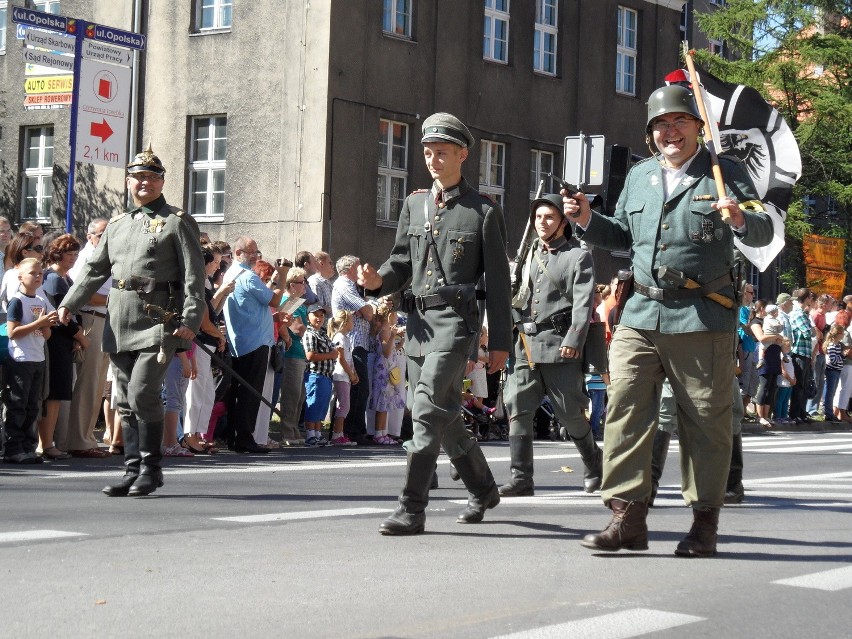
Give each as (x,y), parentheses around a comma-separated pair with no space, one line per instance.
(551,311)
(154,257)
(449,236)
(677,228)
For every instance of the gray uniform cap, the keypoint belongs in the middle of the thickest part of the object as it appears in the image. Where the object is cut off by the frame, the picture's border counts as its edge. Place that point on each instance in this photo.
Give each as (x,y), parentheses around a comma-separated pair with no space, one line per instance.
(443,127)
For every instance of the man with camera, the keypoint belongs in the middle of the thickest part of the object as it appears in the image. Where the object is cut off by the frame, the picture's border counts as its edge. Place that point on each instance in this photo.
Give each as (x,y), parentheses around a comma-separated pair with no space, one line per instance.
(551,310)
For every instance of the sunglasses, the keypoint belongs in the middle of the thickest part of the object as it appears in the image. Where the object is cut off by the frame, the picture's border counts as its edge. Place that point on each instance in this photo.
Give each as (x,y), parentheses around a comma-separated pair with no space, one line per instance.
(38,248)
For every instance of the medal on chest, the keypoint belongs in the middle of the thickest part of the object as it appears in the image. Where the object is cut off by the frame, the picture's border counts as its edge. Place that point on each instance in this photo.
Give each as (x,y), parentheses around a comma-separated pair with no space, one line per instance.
(154,225)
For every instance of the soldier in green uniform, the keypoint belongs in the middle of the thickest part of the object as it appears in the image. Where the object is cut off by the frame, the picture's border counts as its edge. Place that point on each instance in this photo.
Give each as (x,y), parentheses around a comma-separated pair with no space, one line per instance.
(448,237)
(552,310)
(669,215)
(154,247)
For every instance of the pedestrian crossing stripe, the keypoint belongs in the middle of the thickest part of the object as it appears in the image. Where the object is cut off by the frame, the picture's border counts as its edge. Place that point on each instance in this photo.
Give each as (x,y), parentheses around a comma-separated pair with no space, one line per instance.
(828,580)
(37,535)
(306,514)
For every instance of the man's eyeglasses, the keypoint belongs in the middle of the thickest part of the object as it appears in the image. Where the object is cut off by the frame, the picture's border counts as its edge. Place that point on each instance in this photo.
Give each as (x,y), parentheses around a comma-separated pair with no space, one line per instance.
(96,234)
(38,248)
(679,123)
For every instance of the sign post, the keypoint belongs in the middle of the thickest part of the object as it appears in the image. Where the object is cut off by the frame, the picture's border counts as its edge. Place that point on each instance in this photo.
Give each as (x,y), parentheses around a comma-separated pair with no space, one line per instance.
(101,80)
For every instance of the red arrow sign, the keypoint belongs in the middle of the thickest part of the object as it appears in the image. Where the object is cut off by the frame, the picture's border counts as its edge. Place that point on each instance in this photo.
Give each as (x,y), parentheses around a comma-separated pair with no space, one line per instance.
(101,130)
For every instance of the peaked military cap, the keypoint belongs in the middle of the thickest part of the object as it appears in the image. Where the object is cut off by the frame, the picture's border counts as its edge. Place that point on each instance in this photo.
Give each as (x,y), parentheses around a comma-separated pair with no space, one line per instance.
(146,162)
(443,127)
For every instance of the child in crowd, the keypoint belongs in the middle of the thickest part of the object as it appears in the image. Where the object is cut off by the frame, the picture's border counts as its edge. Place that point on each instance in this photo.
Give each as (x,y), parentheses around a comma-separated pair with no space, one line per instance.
(786,381)
(478,377)
(772,325)
(769,367)
(833,349)
(344,374)
(384,393)
(180,371)
(29,318)
(321,355)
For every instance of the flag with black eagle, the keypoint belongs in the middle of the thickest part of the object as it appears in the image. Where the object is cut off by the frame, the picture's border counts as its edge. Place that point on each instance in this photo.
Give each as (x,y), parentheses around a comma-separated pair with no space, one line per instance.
(751,130)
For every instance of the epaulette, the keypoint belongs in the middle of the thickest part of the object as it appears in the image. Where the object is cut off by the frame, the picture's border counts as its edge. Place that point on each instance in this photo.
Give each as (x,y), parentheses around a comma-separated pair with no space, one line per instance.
(117,217)
(419,191)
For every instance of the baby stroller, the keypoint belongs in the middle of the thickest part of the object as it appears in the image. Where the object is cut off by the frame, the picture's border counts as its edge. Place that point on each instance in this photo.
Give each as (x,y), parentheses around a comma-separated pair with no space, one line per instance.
(546,425)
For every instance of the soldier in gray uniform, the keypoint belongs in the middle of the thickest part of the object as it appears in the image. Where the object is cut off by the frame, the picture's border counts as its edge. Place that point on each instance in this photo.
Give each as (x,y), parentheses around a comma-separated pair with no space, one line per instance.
(552,310)
(448,237)
(669,215)
(154,248)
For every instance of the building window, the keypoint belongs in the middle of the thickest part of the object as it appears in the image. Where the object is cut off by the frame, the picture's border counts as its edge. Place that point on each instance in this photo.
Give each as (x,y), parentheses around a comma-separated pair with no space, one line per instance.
(396,18)
(541,163)
(717,47)
(492,169)
(207,166)
(496,35)
(38,173)
(546,30)
(4,9)
(48,6)
(393,170)
(625,66)
(213,14)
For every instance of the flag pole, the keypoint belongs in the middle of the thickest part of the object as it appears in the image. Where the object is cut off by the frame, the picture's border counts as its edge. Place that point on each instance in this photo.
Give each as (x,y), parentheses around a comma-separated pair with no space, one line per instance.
(708,130)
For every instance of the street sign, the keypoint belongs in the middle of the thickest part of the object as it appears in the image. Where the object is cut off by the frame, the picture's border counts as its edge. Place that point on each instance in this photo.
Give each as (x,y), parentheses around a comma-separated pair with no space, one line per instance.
(115,36)
(93,50)
(102,113)
(56,42)
(48,100)
(43,20)
(47,59)
(49,84)
(21,31)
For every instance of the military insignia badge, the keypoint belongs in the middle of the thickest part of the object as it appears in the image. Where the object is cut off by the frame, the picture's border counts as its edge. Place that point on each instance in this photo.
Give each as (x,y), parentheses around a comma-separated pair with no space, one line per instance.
(655,180)
(707,230)
(688,180)
(458,250)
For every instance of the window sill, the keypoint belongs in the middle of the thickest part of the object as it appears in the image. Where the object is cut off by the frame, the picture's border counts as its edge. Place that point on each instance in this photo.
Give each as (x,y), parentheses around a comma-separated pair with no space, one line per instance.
(545,74)
(206,32)
(208,219)
(504,63)
(401,38)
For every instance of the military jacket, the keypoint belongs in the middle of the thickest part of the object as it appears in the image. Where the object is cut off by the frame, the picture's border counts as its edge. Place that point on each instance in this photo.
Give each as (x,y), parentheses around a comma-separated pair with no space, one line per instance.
(470,235)
(681,233)
(157,241)
(572,269)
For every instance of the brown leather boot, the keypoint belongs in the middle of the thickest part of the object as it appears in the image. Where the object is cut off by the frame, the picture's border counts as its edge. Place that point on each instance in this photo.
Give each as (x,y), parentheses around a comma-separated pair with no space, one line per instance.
(627,529)
(701,540)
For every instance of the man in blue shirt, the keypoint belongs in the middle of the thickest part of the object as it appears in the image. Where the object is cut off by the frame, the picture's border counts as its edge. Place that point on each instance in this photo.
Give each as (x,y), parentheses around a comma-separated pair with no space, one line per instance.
(249,324)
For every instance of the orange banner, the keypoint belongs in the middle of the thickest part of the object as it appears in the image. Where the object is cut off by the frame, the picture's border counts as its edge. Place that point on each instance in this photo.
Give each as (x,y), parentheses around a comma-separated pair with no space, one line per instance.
(822,280)
(824,252)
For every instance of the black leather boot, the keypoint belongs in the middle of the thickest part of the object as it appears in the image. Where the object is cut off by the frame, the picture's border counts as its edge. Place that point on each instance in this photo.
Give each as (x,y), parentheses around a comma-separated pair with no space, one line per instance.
(735,492)
(481,487)
(592,457)
(132,459)
(627,528)
(410,517)
(521,484)
(701,539)
(660,451)
(150,471)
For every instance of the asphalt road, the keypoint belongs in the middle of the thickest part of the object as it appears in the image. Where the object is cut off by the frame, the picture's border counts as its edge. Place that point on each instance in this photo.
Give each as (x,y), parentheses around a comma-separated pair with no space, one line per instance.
(287,545)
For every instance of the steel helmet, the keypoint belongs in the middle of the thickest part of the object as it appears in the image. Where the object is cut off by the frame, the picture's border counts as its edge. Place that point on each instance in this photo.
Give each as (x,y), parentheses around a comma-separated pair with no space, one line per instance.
(553,200)
(671,99)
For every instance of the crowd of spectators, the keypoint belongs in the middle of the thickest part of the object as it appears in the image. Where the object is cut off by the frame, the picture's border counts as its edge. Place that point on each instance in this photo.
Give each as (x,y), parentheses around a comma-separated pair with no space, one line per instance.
(299,345)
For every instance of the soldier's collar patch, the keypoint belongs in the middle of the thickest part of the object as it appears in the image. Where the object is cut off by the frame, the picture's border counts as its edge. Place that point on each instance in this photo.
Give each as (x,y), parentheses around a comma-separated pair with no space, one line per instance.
(655,180)
(688,180)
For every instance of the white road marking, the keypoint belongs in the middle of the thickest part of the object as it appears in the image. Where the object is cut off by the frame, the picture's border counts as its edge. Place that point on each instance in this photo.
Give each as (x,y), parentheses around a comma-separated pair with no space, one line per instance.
(829,580)
(616,625)
(306,514)
(798,448)
(37,535)
(789,441)
(817,479)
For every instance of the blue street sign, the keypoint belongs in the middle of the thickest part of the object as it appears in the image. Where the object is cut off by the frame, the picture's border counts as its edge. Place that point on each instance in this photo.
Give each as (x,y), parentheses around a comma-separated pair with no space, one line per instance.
(114,36)
(39,19)
(21,31)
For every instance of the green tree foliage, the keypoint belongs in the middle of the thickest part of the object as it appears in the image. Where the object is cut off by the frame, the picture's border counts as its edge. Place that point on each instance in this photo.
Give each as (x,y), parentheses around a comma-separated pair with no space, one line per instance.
(799,56)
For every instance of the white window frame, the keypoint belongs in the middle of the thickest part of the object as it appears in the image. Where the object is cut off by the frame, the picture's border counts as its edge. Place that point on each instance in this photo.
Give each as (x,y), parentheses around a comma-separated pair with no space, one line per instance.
(546,31)
(48,6)
(492,171)
(393,14)
(539,160)
(42,173)
(388,207)
(4,21)
(222,10)
(493,17)
(627,49)
(716,47)
(208,165)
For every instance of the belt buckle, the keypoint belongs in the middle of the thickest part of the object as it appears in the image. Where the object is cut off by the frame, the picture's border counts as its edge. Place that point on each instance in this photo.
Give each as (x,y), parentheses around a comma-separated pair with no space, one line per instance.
(418,302)
(655,293)
(530,328)
(121,284)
